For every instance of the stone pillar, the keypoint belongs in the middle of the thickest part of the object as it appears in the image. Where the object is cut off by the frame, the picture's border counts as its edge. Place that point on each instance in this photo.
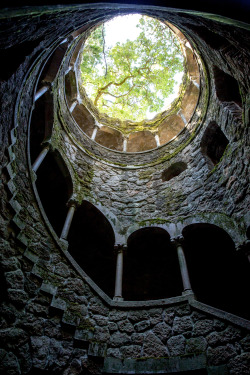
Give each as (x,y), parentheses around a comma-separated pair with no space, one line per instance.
(68,220)
(157,139)
(40,92)
(94,133)
(73,105)
(69,69)
(125,142)
(119,273)
(182,116)
(178,242)
(196,84)
(40,158)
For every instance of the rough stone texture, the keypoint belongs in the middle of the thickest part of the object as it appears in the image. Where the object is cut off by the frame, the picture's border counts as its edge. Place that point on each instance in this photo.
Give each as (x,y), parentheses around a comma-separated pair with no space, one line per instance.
(153,347)
(45,300)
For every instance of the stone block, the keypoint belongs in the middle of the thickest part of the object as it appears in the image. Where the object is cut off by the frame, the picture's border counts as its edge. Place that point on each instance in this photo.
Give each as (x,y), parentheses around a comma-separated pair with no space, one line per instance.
(119,339)
(142,326)
(182,324)
(114,352)
(40,349)
(9,363)
(112,326)
(15,279)
(101,334)
(18,297)
(125,326)
(97,349)
(137,316)
(131,351)
(196,345)
(203,327)
(163,331)
(153,347)
(221,354)
(240,364)
(176,345)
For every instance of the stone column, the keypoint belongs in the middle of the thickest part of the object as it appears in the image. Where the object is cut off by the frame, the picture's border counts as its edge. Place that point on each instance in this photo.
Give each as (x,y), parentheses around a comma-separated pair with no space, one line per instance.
(187,289)
(157,140)
(40,158)
(68,70)
(125,142)
(94,133)
(68,220)
(119,273)
(40,92)
(73,105)
(182,116)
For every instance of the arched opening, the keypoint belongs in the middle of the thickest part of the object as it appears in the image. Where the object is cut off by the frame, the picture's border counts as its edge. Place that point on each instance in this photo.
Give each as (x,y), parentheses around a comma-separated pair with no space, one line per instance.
(84,119)
(53,64)
(70,87)
(170,128)
(213,144)
(91,243)
(219,275)
(151,269)
(41,124)
(110,138)
(54,187)
(141,141)
(213,39)
(227,91)
(173,171)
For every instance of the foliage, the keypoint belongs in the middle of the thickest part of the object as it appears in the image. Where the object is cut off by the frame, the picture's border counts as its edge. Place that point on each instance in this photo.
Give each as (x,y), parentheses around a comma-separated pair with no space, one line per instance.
(132,79)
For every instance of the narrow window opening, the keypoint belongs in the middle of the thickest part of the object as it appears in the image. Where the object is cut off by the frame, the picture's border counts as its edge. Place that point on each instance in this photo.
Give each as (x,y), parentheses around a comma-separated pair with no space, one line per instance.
(213,144)
(173,171)
(227,91)
(91,243)
(54,187)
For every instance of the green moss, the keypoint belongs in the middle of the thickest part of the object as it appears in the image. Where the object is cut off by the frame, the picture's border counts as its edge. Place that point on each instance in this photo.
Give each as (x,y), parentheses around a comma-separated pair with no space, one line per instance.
(156,221)
(145,175)
(85,324)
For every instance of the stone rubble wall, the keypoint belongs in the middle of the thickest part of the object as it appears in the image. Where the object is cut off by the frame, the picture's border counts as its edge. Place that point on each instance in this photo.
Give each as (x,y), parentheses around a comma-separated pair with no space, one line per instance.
(51,320)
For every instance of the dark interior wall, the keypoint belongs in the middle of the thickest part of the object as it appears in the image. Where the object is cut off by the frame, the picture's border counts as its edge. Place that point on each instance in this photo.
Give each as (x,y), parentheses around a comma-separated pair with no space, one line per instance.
(52,321)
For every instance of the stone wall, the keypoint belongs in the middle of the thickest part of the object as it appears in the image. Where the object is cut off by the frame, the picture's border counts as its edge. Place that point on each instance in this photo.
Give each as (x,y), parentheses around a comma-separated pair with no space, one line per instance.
(54,320)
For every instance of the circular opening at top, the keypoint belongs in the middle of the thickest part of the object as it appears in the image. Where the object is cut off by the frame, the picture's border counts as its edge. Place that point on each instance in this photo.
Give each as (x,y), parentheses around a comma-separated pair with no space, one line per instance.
(132,67)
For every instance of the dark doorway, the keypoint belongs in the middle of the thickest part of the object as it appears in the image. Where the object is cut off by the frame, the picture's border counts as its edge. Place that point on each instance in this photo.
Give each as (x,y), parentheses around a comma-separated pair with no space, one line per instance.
(151,269)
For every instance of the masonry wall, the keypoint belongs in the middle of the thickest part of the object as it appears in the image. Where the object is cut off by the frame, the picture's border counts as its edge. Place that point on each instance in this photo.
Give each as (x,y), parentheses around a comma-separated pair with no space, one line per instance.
(54,320)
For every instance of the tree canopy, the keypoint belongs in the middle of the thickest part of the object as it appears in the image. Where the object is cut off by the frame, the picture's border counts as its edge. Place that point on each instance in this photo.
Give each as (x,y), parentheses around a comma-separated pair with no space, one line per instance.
(130,79)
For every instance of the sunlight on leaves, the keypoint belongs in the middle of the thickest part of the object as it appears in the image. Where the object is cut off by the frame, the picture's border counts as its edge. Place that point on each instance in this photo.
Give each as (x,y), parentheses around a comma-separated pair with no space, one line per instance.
(132,79)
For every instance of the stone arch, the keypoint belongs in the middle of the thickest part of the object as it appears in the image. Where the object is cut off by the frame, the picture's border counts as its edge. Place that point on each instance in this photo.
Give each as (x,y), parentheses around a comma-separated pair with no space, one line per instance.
(170,128)
(213,144)
(84,119)
(110,138)
(174,170)
(54,62)
(218,273)
(141,141)
(70,87)
(91,243)
(55,187)
(213,39)
(41,124)
(151,269)
(176,227)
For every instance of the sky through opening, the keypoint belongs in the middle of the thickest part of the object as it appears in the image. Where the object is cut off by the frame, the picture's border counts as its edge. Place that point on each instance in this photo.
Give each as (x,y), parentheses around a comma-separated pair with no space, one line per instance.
(132,67)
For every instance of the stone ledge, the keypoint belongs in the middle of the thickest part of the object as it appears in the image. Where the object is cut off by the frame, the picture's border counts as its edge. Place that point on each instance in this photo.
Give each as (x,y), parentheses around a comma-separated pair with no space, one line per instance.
(234,319)
(154,365)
